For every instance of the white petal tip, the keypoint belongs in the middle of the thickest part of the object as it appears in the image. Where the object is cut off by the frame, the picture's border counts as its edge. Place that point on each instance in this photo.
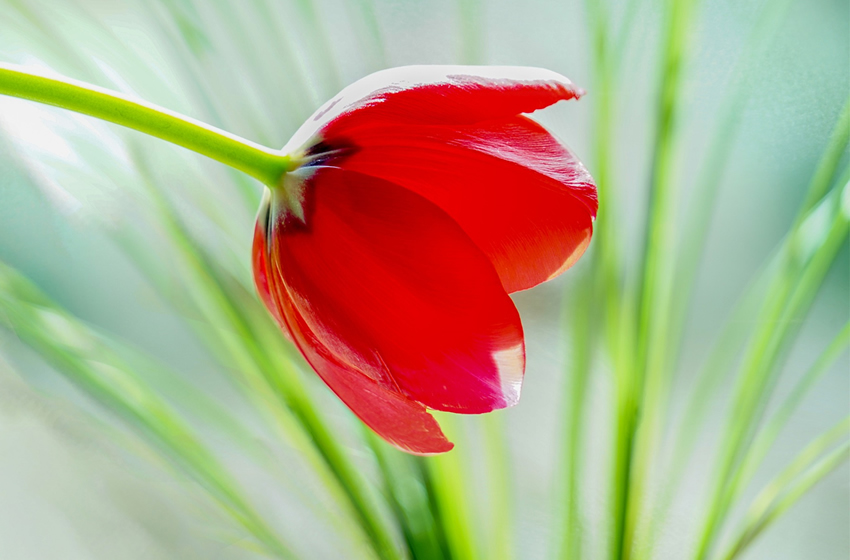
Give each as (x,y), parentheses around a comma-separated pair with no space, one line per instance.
(510,363)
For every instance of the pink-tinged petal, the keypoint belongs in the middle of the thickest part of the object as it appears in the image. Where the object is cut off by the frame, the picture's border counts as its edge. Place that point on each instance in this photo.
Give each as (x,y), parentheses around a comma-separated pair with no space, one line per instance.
(394,290)
(520,194)
(436,95)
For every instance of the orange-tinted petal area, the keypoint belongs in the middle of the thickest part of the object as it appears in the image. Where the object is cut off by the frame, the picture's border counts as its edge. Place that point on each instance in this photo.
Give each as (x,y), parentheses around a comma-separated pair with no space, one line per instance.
(393,289)
(519,193)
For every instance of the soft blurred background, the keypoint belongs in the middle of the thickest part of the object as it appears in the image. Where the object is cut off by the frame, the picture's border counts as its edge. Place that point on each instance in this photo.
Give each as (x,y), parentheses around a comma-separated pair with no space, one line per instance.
(149,411)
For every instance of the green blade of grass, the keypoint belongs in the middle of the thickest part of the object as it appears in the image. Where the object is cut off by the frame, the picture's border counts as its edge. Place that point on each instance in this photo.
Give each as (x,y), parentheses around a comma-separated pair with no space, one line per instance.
(690,252)
(720,361)
(715,373)
(408,498)
(242,340)
(733,334)
(788,298)
(617,308)
(79,355)
(499,525)
(798,303)
(767,435)
(320,48)
(583,334)
(736,93)
(373,35)
(471,38)
(790,485)
(637,438)
(446,478)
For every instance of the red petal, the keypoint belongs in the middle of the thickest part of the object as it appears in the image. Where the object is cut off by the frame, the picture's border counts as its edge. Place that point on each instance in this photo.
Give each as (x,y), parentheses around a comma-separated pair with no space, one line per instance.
(259,253)
(436,95)
(393,290)
(399,420)
(262,272)
(521,195)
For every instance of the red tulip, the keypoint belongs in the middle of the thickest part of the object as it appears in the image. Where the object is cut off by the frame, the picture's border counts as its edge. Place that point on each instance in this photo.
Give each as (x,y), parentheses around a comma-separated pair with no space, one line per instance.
(423,197)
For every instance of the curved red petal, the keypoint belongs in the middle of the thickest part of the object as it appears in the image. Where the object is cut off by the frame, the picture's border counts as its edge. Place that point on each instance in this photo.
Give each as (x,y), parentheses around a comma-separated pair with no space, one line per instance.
(400,421)
(397,419)
(259,260)
(393,289)
(453,95)
(520,194)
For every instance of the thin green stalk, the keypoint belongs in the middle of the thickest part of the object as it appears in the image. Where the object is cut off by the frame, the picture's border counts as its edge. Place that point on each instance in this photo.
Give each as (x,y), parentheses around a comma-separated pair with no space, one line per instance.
(408,499)
(775,325)
(690,251)
(499,534)
(790,485)
(616,320)
(321,47)
(446,473)
(791,319)
(77,353)
(373,35)
(829,162)
(717,368)
(240,338)
(648,401)
(721,357)
(702,208)
(264,164)
(430,484)
(582,335)
(763,442)
(469,12)
(788,299)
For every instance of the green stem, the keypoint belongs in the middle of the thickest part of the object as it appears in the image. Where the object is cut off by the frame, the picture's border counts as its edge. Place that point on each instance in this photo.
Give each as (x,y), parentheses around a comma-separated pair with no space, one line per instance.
(499,528)
(643,408)
(762,442)
(583,337)
(451,491)
(264,164)
(791,485)
(789,295)
(748,408)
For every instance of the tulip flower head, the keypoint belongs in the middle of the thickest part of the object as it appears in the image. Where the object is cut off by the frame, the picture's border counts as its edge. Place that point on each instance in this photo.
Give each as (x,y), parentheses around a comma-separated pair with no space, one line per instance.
(422,197)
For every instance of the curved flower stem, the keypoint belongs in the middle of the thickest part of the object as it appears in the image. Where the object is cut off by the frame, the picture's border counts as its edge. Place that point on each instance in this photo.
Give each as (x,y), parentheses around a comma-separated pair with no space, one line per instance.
(264,164)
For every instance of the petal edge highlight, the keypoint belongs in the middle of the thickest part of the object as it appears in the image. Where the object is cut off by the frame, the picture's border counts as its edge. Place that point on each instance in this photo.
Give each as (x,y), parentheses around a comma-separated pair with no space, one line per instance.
(436,95)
